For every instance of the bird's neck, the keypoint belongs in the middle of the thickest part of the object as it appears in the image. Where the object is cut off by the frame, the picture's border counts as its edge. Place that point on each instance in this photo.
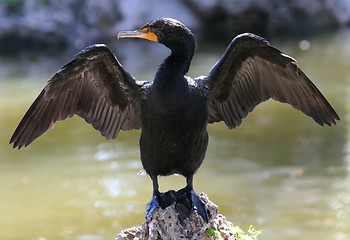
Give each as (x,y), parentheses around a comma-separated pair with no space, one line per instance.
(175,66)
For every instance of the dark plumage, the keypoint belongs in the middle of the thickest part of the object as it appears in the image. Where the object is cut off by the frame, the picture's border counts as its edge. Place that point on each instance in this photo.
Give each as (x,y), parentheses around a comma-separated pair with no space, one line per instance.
(173,111)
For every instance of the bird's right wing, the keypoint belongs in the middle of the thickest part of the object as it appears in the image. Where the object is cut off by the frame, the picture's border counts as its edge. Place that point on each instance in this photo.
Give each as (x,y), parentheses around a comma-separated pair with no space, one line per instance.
(252,71)
(94,86)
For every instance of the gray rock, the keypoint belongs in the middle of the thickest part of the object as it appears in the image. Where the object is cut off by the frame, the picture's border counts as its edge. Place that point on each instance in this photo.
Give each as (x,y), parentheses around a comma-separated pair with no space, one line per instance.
(165,224)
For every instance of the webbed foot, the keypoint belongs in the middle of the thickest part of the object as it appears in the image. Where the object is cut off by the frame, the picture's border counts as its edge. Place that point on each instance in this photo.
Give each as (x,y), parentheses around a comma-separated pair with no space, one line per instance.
(161,200)
(151,206)
(188,198)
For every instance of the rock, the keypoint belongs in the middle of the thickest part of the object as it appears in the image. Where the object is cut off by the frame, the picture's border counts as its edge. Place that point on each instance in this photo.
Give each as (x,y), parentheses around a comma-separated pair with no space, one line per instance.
(32,25)
(165,224)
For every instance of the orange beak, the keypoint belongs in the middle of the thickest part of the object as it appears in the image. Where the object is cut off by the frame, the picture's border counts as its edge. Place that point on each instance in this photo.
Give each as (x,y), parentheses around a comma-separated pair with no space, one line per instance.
(141,33)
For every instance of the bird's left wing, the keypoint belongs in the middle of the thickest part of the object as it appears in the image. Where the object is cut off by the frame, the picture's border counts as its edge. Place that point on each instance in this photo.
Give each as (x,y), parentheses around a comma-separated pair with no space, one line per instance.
(94,86)
(252,71)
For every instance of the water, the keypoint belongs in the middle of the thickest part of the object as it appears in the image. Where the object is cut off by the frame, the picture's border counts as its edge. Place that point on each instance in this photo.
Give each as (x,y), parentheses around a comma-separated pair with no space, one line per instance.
(279,171)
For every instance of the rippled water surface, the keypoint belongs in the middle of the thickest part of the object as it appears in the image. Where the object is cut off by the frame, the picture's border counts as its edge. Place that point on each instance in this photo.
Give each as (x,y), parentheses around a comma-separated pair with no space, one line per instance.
(279,171)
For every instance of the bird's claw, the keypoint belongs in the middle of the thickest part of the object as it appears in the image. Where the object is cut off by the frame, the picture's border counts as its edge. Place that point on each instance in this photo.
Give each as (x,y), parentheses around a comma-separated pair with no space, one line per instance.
(187,196)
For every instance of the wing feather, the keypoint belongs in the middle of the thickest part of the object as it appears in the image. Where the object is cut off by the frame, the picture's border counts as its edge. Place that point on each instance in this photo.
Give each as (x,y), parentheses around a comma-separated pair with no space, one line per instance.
(252,71)
(95,87)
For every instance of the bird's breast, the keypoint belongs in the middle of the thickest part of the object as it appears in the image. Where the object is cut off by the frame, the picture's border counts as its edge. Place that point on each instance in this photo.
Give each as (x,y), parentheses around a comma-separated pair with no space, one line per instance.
(174,137)
(175,112)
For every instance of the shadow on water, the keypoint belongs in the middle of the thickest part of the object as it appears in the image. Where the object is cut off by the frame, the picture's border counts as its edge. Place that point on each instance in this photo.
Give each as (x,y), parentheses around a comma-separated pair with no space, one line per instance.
(278,171)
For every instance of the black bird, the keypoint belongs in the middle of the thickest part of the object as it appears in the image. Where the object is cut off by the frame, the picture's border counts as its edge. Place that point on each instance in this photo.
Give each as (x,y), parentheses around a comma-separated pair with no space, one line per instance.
(173,110)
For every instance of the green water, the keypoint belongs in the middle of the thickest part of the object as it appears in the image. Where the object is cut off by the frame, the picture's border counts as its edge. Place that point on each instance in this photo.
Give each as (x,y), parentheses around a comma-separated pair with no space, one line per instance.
(279,171)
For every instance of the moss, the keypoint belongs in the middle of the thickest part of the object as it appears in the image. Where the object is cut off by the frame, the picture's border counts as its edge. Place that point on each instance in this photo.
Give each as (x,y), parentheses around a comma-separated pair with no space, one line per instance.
(236,231)
(213,232)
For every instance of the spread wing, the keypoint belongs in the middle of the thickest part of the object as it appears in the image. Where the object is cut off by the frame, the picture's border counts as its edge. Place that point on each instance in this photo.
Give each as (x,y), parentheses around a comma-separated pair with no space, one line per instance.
(250,72)
(94,86)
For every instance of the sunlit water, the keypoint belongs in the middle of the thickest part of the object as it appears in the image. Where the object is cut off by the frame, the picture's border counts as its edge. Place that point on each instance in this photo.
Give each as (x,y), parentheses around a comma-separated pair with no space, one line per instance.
(279,171)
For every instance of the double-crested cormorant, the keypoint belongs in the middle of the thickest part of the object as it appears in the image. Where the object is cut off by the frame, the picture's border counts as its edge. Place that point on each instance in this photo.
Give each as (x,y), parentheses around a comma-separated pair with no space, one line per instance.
(173,110)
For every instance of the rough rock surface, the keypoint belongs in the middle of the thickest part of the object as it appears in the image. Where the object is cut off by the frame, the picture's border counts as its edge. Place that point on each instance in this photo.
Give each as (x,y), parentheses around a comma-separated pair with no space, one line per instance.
(165,224)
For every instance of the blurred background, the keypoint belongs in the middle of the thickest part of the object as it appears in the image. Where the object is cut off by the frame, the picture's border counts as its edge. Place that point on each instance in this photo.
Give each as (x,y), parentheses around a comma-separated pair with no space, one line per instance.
(279,171)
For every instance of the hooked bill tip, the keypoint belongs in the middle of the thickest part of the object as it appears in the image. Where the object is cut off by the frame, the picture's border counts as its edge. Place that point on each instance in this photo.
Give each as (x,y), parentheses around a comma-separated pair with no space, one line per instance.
(128,34)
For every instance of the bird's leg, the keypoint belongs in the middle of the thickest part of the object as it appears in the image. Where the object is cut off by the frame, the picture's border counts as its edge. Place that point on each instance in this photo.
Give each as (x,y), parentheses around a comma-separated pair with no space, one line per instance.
(153,204)
(187,194)
(159,199)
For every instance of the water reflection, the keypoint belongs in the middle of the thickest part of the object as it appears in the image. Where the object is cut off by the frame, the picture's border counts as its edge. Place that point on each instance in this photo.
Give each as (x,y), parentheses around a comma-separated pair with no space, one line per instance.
(279,171)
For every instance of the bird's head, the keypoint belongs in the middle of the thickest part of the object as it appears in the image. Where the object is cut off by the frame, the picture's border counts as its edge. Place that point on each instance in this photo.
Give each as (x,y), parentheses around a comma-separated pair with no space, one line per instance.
(167,31)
